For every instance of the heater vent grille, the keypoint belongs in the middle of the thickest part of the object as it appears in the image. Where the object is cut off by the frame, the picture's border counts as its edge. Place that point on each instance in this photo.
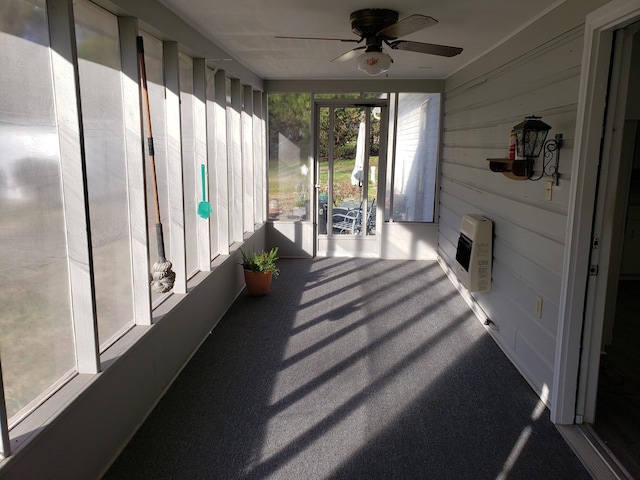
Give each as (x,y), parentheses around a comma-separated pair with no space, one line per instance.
(474,253)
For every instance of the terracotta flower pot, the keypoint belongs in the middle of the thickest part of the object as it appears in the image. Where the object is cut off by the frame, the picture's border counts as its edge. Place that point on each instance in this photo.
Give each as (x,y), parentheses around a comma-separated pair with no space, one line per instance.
(258,283)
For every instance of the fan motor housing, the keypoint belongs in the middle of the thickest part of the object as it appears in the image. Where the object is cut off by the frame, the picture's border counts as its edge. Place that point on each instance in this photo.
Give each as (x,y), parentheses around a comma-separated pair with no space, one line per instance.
(368,22)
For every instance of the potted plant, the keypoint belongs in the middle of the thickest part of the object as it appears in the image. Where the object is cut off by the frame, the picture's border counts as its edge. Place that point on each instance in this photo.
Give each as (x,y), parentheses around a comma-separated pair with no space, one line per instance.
(259,269)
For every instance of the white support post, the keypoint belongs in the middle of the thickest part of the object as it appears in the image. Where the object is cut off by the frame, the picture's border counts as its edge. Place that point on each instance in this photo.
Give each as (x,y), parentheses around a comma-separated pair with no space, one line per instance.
(133,131)
(235,162)
(200,134)
(221,162)
(64,62)
(248,159)
(210,112)
(265,156)
(258,158)
(177,256)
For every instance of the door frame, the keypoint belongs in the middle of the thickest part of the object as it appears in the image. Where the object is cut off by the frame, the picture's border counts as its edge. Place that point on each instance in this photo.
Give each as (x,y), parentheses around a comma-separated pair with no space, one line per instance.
(351,245)
(600,26)
(608,226)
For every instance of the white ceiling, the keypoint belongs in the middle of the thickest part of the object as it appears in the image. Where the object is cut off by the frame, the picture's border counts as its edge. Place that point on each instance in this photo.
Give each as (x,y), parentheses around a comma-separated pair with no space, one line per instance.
(247,29)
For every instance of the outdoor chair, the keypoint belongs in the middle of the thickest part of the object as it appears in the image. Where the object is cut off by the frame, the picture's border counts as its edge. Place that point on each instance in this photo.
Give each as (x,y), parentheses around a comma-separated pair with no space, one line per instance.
(346,221)
(349,221)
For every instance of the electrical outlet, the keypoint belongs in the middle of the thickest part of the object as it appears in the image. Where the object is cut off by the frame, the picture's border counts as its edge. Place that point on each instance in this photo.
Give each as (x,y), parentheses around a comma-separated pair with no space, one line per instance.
(549,188)
(539,306)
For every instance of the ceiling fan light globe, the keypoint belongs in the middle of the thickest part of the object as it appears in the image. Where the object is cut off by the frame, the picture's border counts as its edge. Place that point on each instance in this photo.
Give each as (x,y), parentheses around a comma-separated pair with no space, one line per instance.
(374,63)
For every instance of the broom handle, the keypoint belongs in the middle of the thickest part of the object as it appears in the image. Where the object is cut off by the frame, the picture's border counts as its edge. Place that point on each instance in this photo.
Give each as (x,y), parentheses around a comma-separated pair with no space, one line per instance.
(154,185)
(145,101)
(204,189)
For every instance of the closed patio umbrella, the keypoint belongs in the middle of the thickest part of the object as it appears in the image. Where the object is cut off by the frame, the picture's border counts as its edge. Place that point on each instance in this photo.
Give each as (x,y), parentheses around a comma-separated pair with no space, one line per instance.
(357,175)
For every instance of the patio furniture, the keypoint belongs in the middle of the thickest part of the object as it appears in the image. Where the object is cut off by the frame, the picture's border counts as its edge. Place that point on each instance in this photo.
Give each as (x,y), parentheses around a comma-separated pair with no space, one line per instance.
(349,221)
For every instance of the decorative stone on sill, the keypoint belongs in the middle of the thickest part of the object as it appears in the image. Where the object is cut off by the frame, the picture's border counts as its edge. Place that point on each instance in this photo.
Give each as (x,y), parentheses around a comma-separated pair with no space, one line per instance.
(513,169)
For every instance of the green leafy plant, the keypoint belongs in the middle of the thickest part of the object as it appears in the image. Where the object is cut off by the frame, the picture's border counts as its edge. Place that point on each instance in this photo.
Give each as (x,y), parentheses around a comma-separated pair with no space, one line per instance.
(261,261)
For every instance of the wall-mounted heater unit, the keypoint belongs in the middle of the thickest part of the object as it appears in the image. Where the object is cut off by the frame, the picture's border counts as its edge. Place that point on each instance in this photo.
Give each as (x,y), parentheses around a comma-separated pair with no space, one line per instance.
(474,253)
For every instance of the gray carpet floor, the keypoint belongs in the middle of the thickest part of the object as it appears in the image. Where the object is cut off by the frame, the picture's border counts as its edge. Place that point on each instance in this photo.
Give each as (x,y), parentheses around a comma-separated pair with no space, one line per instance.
(349,369)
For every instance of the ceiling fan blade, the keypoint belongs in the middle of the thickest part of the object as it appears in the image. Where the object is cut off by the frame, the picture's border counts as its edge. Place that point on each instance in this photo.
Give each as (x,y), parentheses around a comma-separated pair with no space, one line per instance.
(349,55)
(408,25)
(430,48)
(321,38)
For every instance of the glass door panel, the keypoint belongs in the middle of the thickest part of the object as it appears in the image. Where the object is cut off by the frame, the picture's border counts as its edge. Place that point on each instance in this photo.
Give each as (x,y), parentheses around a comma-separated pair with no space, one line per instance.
(349,170)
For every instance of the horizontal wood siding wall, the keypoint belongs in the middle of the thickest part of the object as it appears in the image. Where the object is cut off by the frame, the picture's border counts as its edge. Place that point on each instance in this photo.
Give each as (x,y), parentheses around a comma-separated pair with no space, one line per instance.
(481,104)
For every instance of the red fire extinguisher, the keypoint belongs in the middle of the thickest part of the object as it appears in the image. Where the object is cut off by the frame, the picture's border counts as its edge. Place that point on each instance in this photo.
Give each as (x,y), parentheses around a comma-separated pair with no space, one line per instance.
(512,145)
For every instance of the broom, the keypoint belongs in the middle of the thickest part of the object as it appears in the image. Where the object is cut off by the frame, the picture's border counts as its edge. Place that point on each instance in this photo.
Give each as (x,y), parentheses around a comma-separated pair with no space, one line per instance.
(162,277)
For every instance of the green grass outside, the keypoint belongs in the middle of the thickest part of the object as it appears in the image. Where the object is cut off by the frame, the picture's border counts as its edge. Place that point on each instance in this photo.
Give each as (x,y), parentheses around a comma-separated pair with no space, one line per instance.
(36,331)
(286,186)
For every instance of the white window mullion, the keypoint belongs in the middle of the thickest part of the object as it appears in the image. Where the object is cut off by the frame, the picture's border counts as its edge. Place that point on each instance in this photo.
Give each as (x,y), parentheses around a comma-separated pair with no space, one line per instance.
(210,112)
(133,132)
(264,157)
(248,159)
(221,162)
(200,135)
(178,255)
(235,162)
(64,62)
(391,156)
(258,158)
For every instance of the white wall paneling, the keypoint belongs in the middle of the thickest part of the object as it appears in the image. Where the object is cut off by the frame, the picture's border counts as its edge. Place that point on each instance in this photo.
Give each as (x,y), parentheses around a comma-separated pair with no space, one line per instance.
(535,72)
(408,241)
(294,239)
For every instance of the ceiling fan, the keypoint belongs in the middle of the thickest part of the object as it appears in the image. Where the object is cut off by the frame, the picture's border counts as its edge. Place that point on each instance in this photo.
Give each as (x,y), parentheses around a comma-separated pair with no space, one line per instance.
(378,26)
